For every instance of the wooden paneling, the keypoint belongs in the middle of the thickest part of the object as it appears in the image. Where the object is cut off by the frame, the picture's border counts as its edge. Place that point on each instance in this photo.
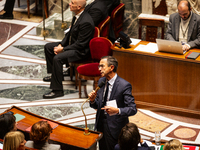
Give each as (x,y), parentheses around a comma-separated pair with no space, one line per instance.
(65,135)
(161,80)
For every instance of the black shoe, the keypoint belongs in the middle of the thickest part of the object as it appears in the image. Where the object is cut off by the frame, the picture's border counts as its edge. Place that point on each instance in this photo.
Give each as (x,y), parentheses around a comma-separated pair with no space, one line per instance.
(6,16)
(47,79)
(53,94)
(66,73)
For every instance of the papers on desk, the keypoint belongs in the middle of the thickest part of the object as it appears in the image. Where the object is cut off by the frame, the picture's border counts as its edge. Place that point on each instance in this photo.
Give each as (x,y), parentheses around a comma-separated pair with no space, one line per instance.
(151,48)
(19,117)
(134,41)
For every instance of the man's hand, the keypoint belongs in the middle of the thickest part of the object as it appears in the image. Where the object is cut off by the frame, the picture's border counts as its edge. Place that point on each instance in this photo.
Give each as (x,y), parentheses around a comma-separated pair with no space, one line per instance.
(111,110)
(185,47)
(58,49)
(92,95)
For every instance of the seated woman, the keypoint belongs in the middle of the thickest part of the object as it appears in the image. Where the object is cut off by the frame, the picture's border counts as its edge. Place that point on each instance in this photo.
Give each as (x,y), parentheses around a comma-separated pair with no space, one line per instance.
(14,140)
(129,139)
(173,144)
(40,134)
(7,123)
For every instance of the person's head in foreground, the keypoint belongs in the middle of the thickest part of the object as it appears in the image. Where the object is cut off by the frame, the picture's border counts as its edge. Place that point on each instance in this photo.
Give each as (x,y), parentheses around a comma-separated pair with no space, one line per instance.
(40,132)
(129,137)
(7,123)
(173,144)
(14,140)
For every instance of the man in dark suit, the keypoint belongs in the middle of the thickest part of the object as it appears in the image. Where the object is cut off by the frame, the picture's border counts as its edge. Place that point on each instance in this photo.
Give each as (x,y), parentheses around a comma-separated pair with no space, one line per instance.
(184,26)
(8,8)
(97,10)
(74,47)
(111,118)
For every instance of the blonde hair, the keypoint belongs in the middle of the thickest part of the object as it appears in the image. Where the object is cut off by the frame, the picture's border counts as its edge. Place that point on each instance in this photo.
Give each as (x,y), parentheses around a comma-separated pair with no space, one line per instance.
(12,140)
(173,144)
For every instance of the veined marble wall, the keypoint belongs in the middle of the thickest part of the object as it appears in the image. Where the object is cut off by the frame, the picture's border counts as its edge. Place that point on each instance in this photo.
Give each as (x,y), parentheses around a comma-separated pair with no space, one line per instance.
(133,8)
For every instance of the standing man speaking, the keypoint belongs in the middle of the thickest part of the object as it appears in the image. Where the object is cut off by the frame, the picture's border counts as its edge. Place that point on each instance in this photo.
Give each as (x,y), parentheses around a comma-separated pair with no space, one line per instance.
(114,103)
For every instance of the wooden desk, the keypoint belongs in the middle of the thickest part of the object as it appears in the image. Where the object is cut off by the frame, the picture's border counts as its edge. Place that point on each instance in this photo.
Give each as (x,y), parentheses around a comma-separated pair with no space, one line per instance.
(161,80)
(69,137)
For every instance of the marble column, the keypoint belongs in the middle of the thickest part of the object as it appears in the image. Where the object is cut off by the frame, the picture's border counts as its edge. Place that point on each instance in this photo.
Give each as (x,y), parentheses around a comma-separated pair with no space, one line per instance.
(132,11)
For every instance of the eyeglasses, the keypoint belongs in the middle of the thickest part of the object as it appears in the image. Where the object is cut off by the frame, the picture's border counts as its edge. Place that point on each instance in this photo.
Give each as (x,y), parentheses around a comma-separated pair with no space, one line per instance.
(101,66)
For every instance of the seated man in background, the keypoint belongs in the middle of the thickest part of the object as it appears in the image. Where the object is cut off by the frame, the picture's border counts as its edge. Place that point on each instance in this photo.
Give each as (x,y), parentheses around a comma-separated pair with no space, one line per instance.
(184,26)
(129,139)
(97,10)
(74,47)
(40,134)
(8,8)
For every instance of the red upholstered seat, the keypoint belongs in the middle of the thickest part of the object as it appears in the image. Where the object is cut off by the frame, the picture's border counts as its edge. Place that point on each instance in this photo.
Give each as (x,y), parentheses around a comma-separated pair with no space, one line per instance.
(90,69)
(99,47)
(78,63)
(104,27)
(117,18)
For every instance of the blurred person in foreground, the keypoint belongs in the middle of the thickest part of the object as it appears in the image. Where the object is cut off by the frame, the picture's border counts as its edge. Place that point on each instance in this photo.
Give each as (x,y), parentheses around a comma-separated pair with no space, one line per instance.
(173,144)
(7,124)
(130,138)
(39,135)
(14,140)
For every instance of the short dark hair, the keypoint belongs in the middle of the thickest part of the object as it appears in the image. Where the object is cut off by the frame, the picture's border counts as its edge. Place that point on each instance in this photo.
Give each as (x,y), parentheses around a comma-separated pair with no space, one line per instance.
(188,4)
(129,137)
(40,132)
(7,123)
(111,61)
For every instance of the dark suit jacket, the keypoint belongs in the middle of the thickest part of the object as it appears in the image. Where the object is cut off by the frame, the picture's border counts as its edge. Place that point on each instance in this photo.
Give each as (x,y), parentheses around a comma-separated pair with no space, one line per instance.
(98,11)
(111,4)
(81,33)
(121,92)
(193,31)
(142,147)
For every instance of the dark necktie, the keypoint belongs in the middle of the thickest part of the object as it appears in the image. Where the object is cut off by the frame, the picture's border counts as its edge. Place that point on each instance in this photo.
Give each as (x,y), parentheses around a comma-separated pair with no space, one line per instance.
(73,20)
(106,94)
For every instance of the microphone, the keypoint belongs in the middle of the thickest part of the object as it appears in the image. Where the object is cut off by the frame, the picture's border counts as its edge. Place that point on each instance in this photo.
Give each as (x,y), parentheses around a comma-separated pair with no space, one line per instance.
(86,132)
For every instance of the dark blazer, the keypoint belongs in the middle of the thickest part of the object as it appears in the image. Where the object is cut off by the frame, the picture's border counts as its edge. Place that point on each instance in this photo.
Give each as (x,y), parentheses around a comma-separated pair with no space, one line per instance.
(142,147)
(193,31)
(121,92)
(111,4)
(98,11)
(81,33)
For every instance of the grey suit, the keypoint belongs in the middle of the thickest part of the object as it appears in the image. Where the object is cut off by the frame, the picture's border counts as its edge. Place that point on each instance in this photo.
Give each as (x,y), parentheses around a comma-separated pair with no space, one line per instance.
(193,31)
(43,146)
(121,92)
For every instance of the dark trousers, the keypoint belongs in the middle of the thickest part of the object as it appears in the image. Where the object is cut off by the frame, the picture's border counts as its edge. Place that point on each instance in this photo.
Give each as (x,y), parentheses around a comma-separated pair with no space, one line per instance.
(9,5)
(55,64)
(107,142)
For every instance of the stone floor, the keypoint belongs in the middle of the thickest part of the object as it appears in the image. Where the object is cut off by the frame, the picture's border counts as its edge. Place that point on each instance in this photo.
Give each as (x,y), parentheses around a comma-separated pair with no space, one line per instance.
(23,66)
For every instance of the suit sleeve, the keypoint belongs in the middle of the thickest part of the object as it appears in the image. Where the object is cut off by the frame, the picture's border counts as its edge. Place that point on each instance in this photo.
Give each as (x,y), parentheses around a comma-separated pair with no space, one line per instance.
(196,31)
(130,106)
(86,32)
(169,30)
(96,15)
